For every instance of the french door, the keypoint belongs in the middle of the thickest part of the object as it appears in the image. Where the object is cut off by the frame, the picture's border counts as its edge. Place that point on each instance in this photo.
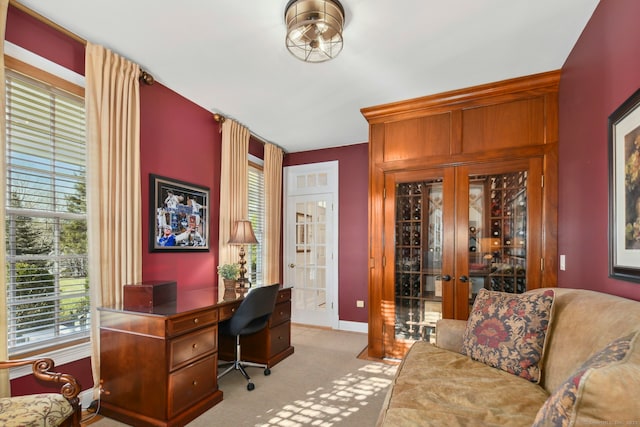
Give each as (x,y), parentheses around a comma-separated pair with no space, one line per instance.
(311,239)
(449,232)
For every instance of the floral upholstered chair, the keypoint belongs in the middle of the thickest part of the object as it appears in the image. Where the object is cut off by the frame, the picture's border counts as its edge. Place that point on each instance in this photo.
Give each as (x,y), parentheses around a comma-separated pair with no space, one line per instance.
(44,409)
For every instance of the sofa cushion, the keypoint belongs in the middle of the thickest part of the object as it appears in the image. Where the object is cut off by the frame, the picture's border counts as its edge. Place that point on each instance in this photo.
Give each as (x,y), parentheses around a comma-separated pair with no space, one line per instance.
(598,392)
(438,387)
(508,331)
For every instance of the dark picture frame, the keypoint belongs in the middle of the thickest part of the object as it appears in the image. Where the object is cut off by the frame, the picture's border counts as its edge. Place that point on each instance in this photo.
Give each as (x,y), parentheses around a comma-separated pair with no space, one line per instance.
(624,190)
(179,215)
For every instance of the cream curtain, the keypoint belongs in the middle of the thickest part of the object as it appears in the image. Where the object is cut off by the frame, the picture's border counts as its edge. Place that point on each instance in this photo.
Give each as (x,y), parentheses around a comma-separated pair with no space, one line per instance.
(112,98)
(4,375)
(273,212)
(233,188)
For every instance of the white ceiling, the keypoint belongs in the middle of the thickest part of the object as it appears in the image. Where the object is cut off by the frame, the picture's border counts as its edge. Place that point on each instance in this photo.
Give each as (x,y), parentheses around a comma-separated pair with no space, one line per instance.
(229,56)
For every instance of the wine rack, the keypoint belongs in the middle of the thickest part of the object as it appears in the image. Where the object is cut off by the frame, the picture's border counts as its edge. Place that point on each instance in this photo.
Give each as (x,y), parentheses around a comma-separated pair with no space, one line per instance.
(417,302)
(508,232)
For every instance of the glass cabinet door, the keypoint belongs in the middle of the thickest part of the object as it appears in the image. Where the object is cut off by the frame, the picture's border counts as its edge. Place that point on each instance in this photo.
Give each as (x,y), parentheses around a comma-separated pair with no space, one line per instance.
(497,232)
(418,259)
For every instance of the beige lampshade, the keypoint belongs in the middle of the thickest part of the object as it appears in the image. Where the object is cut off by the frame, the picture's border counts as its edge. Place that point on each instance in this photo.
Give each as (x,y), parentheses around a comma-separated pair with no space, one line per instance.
(242,233)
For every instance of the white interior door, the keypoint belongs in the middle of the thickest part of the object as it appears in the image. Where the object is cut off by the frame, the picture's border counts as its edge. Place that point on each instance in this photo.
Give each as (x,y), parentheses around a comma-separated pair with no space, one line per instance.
(310,252)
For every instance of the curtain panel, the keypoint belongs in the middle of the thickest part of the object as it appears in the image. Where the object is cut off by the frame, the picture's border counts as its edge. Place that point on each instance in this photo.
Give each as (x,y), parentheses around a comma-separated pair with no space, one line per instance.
(112,99)
(273,156)
(233,188)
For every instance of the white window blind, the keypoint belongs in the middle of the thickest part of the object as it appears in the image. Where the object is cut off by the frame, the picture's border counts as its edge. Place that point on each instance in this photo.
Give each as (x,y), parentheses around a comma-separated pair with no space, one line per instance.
(256,216)
(46,241)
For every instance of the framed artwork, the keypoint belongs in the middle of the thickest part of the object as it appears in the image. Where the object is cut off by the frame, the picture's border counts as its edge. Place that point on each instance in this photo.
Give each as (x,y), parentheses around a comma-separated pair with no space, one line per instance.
(179,215)
(624,190)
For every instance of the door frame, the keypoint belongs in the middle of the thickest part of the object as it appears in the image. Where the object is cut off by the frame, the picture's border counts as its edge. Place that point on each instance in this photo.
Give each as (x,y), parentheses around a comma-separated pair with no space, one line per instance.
(288,250)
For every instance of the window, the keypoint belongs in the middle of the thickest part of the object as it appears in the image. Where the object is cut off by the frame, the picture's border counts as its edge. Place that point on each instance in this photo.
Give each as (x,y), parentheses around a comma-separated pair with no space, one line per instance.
(256,216)
(46,224)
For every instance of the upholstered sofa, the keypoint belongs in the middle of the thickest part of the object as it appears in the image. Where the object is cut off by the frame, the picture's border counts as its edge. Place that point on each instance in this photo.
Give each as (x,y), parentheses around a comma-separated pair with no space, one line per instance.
(587,373)
(60,409)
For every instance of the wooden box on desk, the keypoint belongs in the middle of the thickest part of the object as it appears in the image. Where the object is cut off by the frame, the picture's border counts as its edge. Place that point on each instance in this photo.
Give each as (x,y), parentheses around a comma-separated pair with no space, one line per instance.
(144,296)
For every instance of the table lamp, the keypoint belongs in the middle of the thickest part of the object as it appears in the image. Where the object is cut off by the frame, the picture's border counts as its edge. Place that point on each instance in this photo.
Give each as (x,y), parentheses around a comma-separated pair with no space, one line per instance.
(242,234)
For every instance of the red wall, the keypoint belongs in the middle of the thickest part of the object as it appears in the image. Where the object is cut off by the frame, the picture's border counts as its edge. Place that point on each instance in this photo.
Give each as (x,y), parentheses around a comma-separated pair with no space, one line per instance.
(180,140)
(599,74)
(353,161)
(43,40)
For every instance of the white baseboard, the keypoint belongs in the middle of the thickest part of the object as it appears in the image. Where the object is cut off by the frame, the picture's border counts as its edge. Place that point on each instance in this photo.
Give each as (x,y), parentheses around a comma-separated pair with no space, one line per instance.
(344,325)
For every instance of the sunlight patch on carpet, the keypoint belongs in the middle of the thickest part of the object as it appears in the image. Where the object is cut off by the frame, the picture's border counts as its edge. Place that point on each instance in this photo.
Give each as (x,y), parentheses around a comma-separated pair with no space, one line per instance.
(326,407)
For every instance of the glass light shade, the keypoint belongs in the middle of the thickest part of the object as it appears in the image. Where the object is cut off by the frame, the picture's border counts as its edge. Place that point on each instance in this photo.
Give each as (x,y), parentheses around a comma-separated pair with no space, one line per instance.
(314,29)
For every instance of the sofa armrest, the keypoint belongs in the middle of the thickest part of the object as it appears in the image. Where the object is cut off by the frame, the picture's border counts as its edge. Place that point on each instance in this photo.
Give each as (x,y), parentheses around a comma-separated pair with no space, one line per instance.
(449,333)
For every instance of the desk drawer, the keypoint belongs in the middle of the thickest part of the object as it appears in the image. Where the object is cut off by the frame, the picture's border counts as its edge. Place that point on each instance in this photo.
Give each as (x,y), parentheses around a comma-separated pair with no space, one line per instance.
(194,382)
(189,347)
(191,321)
(284,295)
(280,337)
(281,313)
(227,310)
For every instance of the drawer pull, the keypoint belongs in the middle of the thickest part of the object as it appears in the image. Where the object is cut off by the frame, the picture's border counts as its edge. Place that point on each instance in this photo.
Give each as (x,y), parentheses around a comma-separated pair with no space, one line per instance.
(195,320)
(195,346)
(195,383)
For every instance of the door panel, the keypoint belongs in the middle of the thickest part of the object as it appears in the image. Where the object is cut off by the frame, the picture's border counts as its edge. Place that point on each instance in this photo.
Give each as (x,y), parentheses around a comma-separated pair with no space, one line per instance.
(312,301)
(417,250)
(498,205)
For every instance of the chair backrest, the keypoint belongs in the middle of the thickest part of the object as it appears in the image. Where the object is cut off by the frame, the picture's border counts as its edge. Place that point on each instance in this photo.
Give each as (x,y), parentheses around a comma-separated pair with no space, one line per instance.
(254,310)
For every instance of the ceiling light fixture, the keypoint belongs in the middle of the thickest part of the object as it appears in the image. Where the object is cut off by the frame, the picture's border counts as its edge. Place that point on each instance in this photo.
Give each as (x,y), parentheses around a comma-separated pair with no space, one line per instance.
(314,29)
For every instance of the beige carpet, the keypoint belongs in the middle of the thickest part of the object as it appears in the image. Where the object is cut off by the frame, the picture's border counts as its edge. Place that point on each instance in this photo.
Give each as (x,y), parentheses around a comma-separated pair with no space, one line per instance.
(322,384)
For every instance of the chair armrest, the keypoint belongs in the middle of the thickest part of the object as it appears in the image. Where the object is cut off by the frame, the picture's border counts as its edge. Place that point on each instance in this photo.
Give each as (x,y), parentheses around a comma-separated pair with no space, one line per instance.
(42,370)
(449,333)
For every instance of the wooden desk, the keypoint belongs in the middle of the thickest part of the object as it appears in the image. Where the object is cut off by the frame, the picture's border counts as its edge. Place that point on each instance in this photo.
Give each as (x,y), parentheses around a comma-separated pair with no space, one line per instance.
(160,368)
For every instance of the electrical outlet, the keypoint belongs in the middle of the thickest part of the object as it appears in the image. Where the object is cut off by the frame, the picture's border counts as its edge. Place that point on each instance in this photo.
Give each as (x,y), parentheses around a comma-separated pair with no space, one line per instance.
(359,303)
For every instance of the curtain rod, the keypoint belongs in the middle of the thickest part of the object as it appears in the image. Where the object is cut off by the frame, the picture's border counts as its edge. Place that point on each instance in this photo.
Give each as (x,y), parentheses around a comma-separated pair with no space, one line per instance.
(144,76)
(220,119)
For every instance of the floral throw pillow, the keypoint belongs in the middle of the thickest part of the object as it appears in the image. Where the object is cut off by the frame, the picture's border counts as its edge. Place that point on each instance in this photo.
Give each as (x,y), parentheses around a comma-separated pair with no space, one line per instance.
(508,331)
(585,385)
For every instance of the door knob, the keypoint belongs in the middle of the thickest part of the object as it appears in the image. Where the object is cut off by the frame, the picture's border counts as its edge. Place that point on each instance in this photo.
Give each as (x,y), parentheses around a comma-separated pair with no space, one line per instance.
(446,278)
(291,265)
(464,278)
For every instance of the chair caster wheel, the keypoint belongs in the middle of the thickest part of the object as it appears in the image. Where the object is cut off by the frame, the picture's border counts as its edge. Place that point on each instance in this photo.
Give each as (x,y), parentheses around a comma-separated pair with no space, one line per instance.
(267,371)
(250,386)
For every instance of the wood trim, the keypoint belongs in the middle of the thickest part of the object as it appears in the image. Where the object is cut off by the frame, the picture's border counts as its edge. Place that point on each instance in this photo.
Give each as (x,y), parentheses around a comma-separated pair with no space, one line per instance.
(505,89)
(38,74)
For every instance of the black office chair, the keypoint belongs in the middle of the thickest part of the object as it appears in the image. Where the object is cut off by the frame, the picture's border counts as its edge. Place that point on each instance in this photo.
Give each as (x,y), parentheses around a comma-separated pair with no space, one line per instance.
(252,316)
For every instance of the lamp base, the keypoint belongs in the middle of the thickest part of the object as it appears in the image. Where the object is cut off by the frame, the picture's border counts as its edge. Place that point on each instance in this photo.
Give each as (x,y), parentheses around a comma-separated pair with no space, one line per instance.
(243,282)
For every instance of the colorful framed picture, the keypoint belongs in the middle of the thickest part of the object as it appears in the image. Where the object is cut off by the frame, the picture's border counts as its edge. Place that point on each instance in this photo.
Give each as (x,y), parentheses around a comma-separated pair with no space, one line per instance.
(624,190)
(179,215)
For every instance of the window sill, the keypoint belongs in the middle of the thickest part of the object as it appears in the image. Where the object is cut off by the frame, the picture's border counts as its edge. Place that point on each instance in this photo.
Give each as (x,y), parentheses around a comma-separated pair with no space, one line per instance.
(60,357)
